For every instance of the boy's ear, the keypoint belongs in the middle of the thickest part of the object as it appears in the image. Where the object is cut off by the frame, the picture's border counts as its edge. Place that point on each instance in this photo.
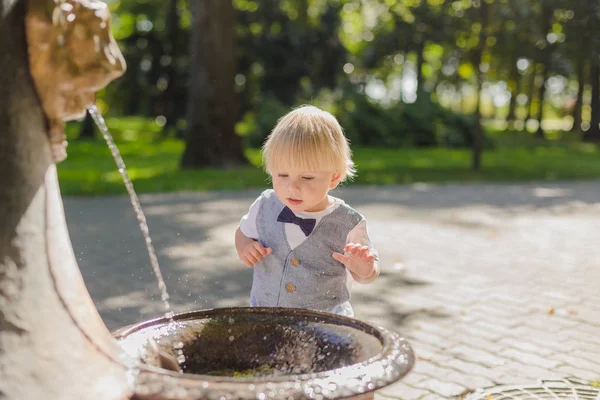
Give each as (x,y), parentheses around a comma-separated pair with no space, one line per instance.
(335,180)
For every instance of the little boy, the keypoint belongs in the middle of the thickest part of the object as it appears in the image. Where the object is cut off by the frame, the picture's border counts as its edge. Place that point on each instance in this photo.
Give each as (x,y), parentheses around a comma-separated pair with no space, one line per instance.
(306,246)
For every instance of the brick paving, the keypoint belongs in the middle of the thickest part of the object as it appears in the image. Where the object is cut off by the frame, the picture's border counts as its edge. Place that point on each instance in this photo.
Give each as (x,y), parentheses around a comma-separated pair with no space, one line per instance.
(491,284)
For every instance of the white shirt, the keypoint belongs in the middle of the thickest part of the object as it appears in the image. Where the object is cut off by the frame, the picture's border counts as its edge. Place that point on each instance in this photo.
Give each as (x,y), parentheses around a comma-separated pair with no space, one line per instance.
(294,234)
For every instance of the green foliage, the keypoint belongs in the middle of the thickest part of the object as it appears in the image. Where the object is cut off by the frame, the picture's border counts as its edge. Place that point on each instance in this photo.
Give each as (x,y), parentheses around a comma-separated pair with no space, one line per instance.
(423,123)
(154,165)
(257,124)
(286,47)
(367,123)
(123,129)
(289,51)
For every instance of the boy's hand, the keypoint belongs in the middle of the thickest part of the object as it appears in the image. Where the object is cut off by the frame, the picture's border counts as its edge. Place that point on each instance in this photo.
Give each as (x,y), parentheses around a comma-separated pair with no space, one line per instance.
(358,259)
(253,252)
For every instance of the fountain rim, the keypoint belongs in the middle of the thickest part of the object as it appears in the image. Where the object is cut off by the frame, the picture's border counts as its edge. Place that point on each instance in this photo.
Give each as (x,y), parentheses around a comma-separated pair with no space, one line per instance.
(389,341)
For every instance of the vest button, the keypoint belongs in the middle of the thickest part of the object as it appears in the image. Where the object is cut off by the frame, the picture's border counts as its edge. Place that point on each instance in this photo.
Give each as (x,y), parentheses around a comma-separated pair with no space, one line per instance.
(290,287)
(295,262)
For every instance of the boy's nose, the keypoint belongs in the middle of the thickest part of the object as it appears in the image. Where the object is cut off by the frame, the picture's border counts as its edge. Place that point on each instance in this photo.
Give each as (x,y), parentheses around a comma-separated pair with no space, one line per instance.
(294,185)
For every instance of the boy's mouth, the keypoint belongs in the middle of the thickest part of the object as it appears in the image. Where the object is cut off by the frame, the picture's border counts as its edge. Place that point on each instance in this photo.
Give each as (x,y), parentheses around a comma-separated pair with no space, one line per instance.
(294,202)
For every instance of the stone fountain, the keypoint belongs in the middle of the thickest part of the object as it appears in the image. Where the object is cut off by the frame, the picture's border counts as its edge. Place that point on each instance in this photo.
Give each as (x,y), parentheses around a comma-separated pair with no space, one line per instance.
(54,56)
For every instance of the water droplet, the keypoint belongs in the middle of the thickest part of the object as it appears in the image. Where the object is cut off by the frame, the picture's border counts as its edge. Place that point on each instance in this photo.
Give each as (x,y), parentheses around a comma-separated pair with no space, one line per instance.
(178,345)
(398,266)
(169,314)
(181,359)
(231,338)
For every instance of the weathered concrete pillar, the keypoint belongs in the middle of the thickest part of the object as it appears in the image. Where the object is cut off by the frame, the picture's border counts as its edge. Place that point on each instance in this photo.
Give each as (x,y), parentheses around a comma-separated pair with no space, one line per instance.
(53,343)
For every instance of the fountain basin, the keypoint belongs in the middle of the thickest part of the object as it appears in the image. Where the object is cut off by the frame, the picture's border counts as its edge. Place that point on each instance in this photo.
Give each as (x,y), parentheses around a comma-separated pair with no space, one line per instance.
(259,353)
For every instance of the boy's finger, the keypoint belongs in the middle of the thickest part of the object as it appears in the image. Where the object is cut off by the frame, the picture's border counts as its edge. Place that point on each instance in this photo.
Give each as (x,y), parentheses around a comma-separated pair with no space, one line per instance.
(256,253)
(341,258)
(364,251)
(251,258)
(348,248)
(260,248)
(266,251)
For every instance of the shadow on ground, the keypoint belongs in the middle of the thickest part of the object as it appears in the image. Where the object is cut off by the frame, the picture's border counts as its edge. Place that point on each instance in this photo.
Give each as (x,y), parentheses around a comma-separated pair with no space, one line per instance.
(193,236)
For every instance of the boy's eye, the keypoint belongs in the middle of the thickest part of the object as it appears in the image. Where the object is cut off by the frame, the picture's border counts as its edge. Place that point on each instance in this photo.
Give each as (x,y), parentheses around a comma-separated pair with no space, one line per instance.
(308,178)
(282,175)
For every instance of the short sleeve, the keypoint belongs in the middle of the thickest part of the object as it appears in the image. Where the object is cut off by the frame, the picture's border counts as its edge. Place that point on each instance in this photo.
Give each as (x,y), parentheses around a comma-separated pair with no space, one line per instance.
(248,221)
(360,234)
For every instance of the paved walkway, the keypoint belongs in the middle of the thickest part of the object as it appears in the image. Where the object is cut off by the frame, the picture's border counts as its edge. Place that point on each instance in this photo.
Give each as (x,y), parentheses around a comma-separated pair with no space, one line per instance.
(491,284)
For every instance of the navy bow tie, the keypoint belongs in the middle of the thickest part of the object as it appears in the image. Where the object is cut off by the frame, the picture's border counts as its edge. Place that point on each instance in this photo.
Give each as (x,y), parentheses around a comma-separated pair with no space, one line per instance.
(288,216)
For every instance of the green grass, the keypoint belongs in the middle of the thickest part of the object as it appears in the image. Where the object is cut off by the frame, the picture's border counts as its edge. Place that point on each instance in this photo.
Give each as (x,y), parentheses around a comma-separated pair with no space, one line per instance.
(153,164)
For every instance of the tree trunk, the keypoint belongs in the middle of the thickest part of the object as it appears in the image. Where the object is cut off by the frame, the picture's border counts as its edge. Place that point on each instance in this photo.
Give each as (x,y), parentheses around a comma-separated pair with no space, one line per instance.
(545,60)
(478,129)
(401,75)
(419,67)
(580,88)
(53,343)
(210,137)
(541,95)
(531,93)
(593,134)
(168,98)
(88,128)
(515,88)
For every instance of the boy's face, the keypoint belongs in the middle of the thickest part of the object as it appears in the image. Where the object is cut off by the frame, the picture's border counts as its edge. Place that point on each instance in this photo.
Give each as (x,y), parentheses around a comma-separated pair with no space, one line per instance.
(304,190)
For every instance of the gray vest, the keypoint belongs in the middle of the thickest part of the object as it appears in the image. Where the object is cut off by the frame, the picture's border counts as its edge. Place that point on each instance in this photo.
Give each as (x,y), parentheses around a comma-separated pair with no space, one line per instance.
(307,276)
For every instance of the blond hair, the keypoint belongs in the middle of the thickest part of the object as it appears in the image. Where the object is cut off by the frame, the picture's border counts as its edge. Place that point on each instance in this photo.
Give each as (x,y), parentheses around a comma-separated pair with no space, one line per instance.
(310,139)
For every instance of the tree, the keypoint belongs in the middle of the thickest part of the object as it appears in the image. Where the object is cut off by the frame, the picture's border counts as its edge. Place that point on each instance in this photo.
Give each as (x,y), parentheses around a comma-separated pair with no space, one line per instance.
(593,134)
(484,19)
(546,49)
(210,137)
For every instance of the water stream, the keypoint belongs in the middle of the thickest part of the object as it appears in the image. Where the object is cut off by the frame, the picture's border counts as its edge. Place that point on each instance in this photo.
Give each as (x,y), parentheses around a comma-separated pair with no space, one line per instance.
(141,217)
(135,202)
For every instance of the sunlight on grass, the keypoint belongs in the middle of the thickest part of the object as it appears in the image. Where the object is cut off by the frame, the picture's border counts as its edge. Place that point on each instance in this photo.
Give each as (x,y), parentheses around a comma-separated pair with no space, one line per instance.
(422,163)
(153,165)
(134,174)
